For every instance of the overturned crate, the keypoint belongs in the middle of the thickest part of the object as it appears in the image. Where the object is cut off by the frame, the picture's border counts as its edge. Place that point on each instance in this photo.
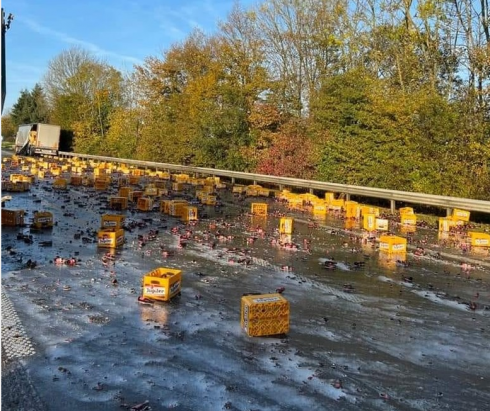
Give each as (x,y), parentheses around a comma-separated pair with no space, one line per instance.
(162,283)
(264,314)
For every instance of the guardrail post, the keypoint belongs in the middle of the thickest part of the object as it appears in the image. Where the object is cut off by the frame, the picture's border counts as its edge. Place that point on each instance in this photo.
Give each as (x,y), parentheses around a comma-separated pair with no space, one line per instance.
(255,183)
(449,212)
(392,206)
(311,191)
(347,197)
(233,180)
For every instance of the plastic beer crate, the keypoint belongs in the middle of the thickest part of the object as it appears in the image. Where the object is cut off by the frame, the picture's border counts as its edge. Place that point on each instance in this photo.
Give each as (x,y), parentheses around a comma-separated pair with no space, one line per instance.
(392,244)
(259,209)
(112,221)
(110,237)
(264,314)
(162,283)
(286,225)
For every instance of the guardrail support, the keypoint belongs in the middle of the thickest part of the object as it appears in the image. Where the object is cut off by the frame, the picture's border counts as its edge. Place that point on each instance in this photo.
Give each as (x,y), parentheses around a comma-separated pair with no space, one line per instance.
(449,212)
(347,197)
(392,206)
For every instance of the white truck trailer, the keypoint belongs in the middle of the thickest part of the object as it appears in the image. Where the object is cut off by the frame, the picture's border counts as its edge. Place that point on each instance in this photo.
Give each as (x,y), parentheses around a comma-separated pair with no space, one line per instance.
(37,138)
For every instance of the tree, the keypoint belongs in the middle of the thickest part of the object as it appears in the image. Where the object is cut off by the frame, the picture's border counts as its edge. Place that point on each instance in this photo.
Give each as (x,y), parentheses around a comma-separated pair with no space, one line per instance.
(9,129)
(31,107)
(83,92)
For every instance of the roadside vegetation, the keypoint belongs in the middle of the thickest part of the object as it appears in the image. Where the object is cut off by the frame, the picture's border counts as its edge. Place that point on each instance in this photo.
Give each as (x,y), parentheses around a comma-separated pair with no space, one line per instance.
(378,93)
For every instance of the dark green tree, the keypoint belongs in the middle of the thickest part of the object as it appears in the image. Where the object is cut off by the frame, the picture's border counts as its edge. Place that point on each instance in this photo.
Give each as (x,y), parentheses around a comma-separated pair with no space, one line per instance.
(31,107)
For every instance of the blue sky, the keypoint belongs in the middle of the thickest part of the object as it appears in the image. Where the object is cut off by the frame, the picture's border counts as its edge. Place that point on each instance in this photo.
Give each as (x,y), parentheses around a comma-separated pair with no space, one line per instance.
(121,32)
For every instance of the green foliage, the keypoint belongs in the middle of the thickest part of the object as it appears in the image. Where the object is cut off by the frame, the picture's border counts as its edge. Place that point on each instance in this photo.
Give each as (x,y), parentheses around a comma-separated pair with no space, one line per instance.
(31,107)
(9,129)
(376,96)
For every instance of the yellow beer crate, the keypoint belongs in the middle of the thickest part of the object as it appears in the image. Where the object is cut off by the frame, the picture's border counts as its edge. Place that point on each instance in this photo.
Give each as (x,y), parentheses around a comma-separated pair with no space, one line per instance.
(461,215)
(176,208)
(162,284)
(181,178)
(189,213)
(369,221)
(112,221)
(392,244)
(125,191)
(445,224)
(238,189)
(262,192)
(329,197)
(259,209)
(408,219)
(60,184)
(12,218)
(151,191)
(165,206)
(101,184)
(295,201)
(406,210)
(286,225)
(177,186)
(144,204)
(252,190)
(136,172)
(209,199)
(43,219)
(478,239)
(135,195)
(382,224)
(134,179)
(370,210)
(110,237)
(320,207)
(76,180)
(264,314)
(352,209)
(118,203)
(336,204)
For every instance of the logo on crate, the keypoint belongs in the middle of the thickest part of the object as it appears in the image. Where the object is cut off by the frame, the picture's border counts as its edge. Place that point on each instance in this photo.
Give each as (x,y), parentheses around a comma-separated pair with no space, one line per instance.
(398,247)
(266,299)
(120,239)
(44,220)
(110,223)
(174,287)
(154,290)
(105,240)
(481,241)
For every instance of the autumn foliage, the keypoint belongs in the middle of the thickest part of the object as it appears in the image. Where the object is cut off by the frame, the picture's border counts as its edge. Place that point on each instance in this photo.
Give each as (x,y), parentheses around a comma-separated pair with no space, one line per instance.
(394,96)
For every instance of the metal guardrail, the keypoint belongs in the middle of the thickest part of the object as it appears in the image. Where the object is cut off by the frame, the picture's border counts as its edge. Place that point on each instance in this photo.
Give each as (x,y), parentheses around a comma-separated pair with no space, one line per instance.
(392,195)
